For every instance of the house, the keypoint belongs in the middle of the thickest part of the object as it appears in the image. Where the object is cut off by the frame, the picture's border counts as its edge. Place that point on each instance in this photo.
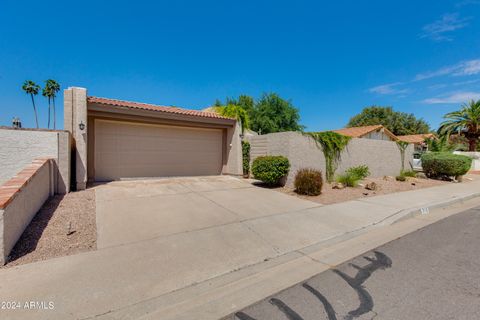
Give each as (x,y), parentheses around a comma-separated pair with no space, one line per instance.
(376,132)
(115,139)
(418,140)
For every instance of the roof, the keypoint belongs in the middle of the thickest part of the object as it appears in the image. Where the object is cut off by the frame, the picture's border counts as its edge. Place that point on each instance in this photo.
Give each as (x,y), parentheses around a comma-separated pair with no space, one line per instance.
(358,132)
(152,107)
(416,138)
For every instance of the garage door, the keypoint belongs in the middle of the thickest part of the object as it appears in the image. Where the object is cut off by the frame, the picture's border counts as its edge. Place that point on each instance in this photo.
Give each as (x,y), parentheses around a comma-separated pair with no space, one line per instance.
(126,150)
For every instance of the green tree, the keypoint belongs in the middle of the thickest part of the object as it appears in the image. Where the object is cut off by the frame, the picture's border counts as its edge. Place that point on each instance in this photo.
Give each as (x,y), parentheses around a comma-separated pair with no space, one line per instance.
(235,111)
(400,123)
(465,121)
(274,114)
(48,93)
(32,89)
(54,87)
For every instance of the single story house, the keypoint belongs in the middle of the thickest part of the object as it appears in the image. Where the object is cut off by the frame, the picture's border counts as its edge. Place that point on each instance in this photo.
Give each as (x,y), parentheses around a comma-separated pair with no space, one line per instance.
(418,140)
(376,132)
(115,139)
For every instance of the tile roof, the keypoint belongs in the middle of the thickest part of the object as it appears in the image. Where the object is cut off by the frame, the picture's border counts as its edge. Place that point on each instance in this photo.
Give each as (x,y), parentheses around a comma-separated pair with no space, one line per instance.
(416,138)
(357,132)
(152,107)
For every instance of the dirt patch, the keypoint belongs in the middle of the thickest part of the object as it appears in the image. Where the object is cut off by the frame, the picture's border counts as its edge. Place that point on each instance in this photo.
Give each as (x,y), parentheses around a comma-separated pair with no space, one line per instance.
(385,186)
(65,225)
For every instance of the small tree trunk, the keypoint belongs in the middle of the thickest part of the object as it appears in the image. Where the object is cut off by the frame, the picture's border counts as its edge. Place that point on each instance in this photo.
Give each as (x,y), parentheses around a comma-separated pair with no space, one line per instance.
(54,116)
(34,110)
(472,144)
(48,113)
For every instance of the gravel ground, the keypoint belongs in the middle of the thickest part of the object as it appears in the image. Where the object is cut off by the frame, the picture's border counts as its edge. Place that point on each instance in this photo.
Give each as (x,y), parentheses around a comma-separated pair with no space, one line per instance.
(386,185)
(47,235)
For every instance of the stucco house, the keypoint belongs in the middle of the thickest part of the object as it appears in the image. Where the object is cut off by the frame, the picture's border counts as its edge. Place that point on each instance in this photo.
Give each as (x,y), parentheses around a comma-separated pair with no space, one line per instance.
(115,139)
(376,132)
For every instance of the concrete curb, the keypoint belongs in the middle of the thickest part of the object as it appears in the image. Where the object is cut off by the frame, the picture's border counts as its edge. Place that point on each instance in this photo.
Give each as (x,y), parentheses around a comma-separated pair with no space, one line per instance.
(221,297)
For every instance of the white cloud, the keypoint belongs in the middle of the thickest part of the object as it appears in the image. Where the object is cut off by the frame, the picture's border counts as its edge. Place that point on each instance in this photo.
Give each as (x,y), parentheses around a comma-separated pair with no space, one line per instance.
(456,97)
(439,30)
(464,68)
(388,88)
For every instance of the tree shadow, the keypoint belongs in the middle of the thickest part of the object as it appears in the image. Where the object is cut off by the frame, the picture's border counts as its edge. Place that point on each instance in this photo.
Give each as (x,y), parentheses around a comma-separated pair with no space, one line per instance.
(28,241)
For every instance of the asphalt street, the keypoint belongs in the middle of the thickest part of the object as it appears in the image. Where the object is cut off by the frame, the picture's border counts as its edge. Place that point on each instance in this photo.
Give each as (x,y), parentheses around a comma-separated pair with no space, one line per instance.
(433,273)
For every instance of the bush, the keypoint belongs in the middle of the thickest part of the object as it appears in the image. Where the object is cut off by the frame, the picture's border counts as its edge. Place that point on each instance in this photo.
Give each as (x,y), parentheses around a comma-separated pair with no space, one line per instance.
(309,182)
(401,178)
(360,171)
(442,164)
(246,157)
(348,179)
(270,169)
(408,173)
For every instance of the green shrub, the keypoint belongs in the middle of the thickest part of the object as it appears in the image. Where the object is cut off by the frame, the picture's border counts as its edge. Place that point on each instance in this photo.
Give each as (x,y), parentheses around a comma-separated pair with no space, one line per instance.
(246,157)
(443,164)
(309,182)
(270,169)
(401,178)
(408,173)
(348,179)
(360,171)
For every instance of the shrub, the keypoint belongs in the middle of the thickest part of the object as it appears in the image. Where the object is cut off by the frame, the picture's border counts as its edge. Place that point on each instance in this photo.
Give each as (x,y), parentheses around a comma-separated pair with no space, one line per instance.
(348,179)
(270,169)
(360,171)
(246,157)
(408,173)
(309,182)
(442,164)
(401,178)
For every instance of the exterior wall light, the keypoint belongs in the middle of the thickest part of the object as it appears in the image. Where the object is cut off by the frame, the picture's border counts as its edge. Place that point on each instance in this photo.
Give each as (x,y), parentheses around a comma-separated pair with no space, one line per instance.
(81,126)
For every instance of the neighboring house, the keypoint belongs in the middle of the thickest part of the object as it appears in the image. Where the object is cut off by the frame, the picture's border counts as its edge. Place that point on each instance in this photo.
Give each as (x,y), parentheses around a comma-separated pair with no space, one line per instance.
(376,132)
(418,140)
(117,139)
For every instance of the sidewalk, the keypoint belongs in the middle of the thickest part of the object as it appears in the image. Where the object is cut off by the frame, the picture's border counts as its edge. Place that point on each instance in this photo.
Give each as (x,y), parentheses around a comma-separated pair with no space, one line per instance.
(174,277)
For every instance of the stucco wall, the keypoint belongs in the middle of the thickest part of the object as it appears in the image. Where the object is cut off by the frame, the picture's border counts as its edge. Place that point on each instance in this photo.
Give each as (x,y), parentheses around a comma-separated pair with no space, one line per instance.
(18,148)
(234,151)
(18,213)
(382,157)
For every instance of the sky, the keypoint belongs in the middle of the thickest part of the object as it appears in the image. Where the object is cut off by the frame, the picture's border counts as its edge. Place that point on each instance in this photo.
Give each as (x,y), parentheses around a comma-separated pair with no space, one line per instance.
(331,59)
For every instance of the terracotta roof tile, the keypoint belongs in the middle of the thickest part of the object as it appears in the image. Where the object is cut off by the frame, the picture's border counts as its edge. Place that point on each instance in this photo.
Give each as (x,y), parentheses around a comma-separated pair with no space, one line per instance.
(416,138)
(357,132)
(152,107)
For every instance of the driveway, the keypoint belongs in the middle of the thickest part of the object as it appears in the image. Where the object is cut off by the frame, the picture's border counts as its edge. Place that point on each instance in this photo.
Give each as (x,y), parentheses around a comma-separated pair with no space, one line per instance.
(131,211)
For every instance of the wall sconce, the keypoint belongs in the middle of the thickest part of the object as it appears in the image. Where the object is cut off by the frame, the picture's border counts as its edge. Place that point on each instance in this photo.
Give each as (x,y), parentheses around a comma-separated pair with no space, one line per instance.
(81,126)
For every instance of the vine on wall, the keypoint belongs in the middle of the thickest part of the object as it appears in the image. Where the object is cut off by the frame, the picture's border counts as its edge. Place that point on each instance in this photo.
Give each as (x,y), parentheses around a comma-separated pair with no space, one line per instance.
(332,145)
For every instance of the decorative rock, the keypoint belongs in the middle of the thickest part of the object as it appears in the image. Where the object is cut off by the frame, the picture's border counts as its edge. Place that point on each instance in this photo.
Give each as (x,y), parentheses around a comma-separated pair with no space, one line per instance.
(371,186)
(338,185)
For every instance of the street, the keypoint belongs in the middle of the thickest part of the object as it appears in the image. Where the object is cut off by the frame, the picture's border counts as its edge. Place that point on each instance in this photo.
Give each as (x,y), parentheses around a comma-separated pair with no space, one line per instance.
(433,273)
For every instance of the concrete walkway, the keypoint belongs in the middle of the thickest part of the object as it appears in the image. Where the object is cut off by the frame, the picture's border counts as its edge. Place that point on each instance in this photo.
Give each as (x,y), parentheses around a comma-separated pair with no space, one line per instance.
(137,279)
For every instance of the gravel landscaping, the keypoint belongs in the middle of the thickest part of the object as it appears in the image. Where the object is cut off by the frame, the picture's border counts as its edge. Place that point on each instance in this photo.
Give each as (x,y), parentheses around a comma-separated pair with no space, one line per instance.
(65,225)
(385,185)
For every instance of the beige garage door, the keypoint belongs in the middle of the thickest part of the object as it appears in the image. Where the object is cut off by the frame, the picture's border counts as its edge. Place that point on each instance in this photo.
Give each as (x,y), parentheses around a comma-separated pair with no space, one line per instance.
(125,150)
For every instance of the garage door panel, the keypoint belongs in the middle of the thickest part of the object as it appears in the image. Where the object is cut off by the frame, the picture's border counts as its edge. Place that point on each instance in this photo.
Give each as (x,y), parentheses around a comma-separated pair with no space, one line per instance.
(138,150)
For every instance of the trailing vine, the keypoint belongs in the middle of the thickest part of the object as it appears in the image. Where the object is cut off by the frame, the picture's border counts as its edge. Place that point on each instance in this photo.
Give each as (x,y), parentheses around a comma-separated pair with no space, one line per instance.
(332,145)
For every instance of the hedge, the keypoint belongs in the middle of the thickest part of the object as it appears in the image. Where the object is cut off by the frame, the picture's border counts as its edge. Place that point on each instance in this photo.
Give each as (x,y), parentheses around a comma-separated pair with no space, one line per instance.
(444,164)
(270,169)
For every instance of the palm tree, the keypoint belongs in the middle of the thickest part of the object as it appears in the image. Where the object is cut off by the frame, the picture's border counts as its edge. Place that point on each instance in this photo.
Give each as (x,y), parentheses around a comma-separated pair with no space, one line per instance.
(465,121)
(32,89)
(47,93)
(54,88)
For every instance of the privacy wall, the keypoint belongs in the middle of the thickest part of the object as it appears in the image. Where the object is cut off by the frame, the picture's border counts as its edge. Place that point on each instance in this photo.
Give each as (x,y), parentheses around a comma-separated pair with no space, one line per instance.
(382,157)
(19,147)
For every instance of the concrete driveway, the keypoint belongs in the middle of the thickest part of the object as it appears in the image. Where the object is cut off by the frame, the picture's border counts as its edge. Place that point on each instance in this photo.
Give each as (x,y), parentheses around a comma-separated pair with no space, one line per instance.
(131,211)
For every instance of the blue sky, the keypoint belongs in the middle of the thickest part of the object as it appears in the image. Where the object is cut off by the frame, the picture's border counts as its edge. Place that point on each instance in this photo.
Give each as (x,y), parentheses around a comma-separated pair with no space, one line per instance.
(330,58)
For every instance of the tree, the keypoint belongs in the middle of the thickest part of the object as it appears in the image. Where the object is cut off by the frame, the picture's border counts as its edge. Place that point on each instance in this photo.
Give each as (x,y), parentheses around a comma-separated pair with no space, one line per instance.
(465,121)
(54,88)
(234,111)
(400,123)
(47,93)
(32,89)
(274,114)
